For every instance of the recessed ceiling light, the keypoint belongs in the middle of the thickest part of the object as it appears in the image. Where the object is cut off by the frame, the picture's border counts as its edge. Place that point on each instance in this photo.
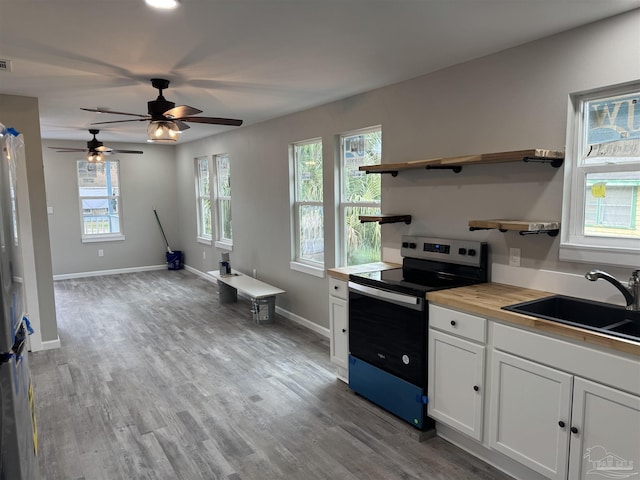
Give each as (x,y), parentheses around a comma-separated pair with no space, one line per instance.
(163,4)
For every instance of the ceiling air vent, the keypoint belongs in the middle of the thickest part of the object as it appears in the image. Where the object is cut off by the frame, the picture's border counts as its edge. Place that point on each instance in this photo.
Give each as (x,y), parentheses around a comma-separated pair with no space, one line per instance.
(5,65)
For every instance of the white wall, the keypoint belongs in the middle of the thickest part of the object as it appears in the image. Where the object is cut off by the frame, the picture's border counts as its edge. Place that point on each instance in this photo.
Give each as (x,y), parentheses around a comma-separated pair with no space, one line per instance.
(516,99)
(147,181)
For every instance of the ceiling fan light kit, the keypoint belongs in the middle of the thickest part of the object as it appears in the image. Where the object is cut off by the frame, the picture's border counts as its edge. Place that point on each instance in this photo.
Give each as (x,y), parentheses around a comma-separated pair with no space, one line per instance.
(163,4)
(96,150)
(95,157)
(163,131)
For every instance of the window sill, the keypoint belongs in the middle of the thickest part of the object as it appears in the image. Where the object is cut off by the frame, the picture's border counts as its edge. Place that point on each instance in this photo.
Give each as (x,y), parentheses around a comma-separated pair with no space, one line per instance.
(205,241)
(623,257)
(103,238)
(304,268)
(224,246)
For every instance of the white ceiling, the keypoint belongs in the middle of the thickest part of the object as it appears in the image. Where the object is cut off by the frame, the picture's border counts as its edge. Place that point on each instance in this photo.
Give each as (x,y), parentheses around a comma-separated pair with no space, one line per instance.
(249,59)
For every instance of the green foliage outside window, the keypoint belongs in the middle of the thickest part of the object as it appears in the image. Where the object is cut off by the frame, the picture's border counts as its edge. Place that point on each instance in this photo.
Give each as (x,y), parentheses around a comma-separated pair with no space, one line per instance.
(363,242)
(308,201)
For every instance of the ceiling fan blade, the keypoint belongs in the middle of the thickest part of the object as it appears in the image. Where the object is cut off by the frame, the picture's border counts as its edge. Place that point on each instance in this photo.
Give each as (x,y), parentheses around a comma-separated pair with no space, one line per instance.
(121,121)
(127,151)
(181,111)
(68,149)
(181,125)
(102,110)
(212,120)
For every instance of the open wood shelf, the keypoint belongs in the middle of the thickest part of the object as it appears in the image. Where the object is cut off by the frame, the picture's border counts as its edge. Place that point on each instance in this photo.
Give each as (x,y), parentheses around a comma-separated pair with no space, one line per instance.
(523,227)
(381,219)
(555,158)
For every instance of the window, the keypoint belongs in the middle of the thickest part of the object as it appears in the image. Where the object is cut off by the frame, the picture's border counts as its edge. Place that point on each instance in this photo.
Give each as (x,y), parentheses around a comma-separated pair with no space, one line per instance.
(602,175)
(203,199)
(223,200)
(308,213)
(360,195)
(100,204)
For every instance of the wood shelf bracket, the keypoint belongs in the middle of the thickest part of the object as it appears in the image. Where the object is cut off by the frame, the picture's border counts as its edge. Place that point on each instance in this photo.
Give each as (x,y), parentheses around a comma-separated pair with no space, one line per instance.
(393,173)
(455,168)
(554,162)
(382,219)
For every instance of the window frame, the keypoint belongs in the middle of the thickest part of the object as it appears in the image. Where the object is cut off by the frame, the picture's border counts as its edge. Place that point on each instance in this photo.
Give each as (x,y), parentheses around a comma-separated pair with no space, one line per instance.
(221,241)
(343,204)
(298,263)
(574,244)
(201,235)
(100,237)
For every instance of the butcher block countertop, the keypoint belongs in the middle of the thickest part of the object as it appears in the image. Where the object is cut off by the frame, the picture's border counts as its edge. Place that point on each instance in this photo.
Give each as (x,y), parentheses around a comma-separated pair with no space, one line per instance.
(487,299)
(342,273)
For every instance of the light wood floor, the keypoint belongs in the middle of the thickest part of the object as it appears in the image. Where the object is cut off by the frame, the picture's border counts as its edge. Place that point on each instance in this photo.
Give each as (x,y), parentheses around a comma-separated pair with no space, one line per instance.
(156,380)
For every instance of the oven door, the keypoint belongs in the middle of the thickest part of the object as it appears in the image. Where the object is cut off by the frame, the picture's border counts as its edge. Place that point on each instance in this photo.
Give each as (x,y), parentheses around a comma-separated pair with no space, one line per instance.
(389,330)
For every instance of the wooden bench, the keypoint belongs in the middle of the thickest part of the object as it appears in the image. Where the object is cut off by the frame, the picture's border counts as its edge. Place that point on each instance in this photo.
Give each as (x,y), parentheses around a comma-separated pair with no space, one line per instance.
(263,295)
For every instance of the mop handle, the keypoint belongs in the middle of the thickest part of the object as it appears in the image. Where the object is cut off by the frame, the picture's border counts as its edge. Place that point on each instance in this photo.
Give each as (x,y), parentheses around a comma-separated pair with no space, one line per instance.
(162,231)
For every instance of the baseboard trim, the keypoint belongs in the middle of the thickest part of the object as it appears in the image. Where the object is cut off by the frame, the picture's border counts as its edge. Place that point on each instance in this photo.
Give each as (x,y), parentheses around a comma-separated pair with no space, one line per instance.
(303,321)
(116,271)
(49,345)
(199,273)
(285,313)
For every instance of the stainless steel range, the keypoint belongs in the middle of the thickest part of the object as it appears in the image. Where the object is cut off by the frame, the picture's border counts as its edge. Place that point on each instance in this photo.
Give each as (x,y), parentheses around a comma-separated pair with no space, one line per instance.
(388,321)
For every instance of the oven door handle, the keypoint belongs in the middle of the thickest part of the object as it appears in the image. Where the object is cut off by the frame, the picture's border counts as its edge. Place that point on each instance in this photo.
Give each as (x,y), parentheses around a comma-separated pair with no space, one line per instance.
(398,298)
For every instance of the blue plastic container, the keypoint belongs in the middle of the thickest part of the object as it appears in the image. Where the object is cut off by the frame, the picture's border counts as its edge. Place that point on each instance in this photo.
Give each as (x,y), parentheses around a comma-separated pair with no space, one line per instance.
(175,260)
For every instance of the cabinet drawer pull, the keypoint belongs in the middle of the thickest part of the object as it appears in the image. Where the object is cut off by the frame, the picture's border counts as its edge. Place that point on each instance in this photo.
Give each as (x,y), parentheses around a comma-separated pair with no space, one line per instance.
(453,323)
(344,330)
(574,430)
(561,424)
(336,287)
(476,388)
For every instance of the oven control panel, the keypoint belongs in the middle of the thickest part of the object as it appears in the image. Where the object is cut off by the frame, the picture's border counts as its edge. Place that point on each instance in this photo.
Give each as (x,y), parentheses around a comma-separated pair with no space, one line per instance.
(464,252)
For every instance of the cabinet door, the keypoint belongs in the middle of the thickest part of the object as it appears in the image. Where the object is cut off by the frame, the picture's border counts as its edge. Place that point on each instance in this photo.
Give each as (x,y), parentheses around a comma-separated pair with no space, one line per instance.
(338,322)
(530,413)
(605,438)
(456,383)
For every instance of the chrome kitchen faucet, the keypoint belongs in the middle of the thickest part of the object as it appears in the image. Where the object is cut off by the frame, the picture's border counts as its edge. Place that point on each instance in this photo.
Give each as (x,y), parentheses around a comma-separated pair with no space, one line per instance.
(631,294)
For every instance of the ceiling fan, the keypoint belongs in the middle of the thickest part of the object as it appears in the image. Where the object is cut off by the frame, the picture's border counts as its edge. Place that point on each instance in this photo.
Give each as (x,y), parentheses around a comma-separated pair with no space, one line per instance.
(166,121)
(95,150)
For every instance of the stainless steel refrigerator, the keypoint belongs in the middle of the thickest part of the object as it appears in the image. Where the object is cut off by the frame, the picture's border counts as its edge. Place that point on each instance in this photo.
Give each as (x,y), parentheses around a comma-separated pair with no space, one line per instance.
(18,435)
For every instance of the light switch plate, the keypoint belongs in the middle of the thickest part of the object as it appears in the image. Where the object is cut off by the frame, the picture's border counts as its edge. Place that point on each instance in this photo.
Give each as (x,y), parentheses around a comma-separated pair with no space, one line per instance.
(514,257)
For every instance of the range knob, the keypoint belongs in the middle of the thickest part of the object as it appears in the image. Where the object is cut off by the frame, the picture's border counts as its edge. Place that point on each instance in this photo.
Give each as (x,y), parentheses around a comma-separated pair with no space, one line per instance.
(412,245)
(471,252)
(405,244)
(462,251)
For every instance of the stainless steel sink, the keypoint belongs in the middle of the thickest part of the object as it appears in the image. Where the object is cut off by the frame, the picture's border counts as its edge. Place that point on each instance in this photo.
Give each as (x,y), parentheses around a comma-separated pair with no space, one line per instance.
(597,316)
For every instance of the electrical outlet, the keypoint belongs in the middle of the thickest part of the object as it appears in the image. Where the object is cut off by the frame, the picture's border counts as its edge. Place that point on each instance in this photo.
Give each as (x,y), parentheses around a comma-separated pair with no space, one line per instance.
(100,252)
(514,257)
(204,255)
(254,273)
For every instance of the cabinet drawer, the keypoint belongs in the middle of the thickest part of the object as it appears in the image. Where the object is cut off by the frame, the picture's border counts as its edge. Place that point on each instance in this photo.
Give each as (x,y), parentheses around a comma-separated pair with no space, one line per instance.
(458,323)
(338,288)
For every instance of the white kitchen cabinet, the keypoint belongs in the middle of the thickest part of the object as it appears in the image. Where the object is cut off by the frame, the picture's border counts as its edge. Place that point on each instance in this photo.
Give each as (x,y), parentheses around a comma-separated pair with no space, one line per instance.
(338,326)
(605,438)
(560,425)
(530,414)
(456,382)
(554,407)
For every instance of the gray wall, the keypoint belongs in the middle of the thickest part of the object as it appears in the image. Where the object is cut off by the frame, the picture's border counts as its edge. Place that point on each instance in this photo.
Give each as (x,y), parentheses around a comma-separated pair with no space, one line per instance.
(516,99)
(147,181)
(22,114)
